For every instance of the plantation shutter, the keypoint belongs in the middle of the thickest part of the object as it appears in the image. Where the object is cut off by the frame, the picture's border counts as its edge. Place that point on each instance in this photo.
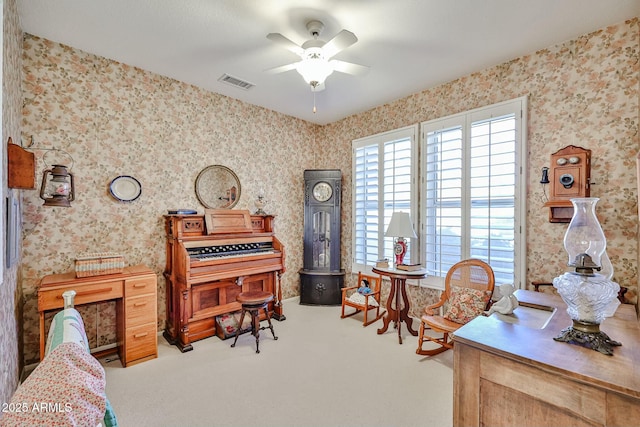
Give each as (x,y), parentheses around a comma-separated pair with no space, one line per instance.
(471,189)
(383,182)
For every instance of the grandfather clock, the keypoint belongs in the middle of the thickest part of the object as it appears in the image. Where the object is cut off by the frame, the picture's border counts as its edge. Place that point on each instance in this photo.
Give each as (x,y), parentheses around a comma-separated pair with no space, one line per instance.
(321,279)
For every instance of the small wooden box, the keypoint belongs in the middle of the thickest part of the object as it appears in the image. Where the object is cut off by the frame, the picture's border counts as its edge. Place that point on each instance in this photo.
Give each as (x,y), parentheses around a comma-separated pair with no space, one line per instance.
(227,324)
(20,167)
(97,264)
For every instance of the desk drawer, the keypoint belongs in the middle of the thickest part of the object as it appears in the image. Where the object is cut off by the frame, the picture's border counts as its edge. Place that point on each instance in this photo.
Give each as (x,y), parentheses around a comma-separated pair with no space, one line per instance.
(141,341)
(52,299)
(140,310)
(140,286)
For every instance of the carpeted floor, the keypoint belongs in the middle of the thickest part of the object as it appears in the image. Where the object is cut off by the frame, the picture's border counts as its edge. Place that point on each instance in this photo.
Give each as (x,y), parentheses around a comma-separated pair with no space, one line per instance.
(322,371)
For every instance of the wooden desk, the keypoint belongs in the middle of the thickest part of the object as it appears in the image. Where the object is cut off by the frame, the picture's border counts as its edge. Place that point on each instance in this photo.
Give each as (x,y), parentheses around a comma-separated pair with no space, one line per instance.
(399,311)
(507,374)
(135,292)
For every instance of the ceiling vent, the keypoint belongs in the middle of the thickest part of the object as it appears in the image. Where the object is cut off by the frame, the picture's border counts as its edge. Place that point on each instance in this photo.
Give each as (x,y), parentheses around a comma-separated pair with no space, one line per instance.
(234,81)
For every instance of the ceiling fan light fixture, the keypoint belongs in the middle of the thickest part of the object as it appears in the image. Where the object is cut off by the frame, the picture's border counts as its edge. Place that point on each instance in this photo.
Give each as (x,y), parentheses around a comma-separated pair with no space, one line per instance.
(314,70)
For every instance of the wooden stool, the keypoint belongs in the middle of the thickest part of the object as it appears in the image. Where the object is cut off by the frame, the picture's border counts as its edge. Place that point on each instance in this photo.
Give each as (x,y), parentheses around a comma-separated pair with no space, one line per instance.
(252,302)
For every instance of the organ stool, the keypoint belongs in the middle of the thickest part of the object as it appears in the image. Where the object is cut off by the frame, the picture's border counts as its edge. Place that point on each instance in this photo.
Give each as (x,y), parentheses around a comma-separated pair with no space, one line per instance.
(252,302)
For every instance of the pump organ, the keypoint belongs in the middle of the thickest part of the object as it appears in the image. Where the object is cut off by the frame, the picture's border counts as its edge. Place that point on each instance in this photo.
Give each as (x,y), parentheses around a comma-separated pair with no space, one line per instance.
(211,258)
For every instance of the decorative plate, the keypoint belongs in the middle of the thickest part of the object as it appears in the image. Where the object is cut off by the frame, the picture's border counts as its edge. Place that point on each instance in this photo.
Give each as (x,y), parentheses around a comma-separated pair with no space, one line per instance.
(125,188)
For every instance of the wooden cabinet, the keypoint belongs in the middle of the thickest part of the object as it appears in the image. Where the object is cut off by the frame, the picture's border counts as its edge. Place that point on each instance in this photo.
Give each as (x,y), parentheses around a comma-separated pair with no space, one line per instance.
(140,318)
(135,293)
(507,374)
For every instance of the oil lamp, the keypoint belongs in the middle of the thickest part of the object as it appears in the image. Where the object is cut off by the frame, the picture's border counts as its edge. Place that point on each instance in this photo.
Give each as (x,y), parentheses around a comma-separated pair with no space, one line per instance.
(589,295)
(260,202)
(59,189)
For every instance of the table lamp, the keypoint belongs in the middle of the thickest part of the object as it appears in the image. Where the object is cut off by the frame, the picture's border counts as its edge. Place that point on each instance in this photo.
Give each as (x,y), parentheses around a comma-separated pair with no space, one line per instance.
(400,227)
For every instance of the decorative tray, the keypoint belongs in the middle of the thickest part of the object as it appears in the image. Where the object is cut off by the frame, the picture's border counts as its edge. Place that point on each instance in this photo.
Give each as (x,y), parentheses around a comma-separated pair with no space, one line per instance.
(125,188)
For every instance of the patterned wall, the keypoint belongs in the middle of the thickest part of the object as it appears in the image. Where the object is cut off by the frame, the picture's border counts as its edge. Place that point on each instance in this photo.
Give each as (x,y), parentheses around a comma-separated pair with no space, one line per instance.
(10,292)
(114,119)
(584,92)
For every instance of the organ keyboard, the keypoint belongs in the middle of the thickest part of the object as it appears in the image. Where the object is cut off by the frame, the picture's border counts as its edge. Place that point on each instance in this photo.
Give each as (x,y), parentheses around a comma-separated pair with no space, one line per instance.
(210,260)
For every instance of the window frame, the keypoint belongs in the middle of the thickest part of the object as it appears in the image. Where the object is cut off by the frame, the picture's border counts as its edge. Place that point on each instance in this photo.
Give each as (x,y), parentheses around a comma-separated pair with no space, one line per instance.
(518,106)
(386,249)
(418,208)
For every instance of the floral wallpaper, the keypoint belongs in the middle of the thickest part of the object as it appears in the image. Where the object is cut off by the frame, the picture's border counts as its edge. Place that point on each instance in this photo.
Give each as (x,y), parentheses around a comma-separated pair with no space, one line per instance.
(112,119)
(10,290)
(583,92)
(109,119)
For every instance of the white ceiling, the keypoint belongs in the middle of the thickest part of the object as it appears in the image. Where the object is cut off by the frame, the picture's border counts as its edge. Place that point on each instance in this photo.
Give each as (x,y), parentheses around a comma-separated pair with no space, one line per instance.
(409,45)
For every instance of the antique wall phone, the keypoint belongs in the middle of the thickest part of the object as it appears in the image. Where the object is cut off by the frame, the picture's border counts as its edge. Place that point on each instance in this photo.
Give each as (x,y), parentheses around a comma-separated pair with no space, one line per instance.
(569,176)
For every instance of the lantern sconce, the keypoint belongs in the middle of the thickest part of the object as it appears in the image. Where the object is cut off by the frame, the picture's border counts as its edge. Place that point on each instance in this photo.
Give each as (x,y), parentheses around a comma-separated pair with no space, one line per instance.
(57,188)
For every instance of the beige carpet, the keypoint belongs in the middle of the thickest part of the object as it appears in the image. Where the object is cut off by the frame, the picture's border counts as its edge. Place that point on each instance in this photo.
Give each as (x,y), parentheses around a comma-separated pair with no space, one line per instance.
(322,371)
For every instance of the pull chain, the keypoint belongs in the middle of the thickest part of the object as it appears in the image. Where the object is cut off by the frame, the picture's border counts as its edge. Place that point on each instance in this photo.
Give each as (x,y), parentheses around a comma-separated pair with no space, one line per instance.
(314,85)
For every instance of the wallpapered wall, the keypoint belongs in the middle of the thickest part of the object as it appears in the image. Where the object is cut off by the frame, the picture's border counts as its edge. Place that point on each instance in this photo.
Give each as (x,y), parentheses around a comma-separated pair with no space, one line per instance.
(583,92)
(10,291)
(114,119)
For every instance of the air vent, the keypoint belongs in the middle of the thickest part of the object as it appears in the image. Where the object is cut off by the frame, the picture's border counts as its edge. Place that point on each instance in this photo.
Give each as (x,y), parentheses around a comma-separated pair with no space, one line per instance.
(234,81)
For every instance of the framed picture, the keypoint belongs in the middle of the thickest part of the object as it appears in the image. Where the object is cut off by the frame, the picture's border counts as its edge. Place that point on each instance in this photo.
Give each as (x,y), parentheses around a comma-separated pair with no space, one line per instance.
(13,231)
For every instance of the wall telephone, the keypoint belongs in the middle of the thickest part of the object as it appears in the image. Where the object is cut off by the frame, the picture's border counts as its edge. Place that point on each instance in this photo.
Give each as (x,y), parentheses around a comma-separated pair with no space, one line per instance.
(569,176)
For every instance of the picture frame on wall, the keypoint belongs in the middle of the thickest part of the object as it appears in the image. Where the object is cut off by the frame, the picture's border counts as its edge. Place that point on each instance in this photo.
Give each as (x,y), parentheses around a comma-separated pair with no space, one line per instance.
(12,230)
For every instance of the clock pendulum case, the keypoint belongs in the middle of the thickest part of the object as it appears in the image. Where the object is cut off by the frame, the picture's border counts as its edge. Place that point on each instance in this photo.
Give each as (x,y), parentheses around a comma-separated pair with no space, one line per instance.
(321,279)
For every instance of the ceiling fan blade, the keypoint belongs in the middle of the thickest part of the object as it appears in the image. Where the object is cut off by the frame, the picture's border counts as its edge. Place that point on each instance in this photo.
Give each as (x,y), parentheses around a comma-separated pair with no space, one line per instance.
(349,67)
(341,41)
(281,68)
(286,43)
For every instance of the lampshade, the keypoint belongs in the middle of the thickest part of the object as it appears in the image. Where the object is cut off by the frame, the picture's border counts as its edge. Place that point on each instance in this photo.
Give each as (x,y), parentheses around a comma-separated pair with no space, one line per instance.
(400,226)
(314,68)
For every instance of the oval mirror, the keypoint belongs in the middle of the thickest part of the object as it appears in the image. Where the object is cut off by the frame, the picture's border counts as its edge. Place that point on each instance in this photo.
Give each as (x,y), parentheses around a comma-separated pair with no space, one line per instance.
(217,187)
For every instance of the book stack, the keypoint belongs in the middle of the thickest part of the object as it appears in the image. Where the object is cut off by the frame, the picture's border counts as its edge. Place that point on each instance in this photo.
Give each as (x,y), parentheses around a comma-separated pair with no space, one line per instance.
(382,263)
(409,267)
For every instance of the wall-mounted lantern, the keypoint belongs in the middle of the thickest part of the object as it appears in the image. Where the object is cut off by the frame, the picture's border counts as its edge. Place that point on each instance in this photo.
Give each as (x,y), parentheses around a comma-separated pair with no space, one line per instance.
(57,187)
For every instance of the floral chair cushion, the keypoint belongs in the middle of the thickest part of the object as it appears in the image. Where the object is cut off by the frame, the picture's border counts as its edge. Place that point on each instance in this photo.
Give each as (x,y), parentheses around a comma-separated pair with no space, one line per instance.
(465,304)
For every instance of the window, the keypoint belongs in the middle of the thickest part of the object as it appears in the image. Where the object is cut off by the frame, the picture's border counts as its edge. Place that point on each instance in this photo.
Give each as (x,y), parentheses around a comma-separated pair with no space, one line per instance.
(384,181)
(465,176)
(472,194)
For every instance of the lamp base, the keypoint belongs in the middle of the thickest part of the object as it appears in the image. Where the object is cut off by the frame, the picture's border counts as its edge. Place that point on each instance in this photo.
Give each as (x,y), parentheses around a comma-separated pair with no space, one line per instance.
(400,249)
(588,335)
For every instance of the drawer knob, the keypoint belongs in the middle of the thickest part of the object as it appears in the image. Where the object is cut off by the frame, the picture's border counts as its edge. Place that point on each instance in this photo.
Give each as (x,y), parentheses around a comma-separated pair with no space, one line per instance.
(141,335)
(139,304)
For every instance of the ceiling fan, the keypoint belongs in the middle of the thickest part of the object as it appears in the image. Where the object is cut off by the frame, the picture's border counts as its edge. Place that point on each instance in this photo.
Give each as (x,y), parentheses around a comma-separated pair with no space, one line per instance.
(316,63)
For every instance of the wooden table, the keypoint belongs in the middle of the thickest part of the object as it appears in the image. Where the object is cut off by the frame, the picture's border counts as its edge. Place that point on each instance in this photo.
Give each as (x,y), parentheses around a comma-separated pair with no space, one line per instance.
(398,312)
(509,374)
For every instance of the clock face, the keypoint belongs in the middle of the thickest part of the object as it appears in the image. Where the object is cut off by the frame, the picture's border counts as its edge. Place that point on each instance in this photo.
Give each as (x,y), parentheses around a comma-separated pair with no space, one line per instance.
(322,191)
(398,249)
